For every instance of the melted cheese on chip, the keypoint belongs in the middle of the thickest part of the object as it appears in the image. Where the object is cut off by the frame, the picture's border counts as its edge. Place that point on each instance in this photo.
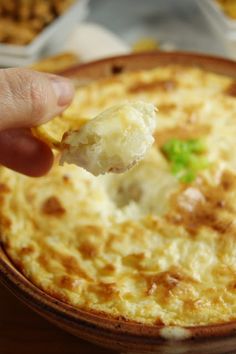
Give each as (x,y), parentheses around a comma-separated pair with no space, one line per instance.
(114,141)
(140,245)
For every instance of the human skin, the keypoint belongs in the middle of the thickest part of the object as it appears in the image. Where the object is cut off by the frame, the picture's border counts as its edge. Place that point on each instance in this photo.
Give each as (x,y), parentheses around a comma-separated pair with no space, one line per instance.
(27,99)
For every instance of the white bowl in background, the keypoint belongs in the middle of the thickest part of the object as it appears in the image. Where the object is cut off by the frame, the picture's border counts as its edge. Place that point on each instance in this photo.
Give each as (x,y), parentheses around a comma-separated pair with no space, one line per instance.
(48,41)
(214,10)
(222,25)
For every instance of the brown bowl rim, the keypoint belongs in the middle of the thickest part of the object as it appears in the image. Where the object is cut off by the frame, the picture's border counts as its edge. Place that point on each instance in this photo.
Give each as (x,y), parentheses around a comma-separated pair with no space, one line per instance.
(182,58)
(41,301)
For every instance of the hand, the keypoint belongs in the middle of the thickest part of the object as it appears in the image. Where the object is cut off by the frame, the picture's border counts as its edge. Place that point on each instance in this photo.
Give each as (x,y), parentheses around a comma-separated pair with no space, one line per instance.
(29,98)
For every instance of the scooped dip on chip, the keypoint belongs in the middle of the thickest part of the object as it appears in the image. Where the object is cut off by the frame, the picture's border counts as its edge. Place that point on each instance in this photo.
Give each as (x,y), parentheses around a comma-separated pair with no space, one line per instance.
(113,141)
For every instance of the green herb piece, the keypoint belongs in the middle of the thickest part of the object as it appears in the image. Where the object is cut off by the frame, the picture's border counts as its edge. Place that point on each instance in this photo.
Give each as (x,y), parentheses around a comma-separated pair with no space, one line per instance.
(186,158)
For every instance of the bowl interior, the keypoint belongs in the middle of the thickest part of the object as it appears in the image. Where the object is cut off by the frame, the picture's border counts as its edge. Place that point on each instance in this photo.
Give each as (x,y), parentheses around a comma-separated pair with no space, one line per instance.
(88,321)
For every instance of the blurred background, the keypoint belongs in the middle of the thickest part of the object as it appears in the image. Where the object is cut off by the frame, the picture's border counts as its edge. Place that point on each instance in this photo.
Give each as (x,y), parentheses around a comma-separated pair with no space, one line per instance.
(83,30)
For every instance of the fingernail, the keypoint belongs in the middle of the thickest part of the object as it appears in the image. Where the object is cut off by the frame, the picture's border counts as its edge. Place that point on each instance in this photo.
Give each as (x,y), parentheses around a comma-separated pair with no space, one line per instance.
(63,89)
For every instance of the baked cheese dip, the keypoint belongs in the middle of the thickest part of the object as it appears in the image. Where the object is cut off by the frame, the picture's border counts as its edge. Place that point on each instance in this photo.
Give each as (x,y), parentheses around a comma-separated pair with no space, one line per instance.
(156,244)
(114,141)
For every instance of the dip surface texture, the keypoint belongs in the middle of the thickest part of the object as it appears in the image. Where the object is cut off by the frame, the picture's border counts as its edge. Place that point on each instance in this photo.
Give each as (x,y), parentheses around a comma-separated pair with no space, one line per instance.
(143,244)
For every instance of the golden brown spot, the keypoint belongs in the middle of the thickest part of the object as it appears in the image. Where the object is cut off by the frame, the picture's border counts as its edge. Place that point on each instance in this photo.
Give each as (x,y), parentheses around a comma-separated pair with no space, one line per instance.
(88,250)
(93,229)
(5,222)
(166,108)
(72,266)
(108,269)
(222,271)
(106,291)
(4,188)
(223,226)
(200,205)
(43,260)
(231,90)
(228,181)
(25,251)
(159,85)
(52,206)
(192,305)
(109,244)
(133,260)
(217,300)
(183,132)
(232,285)
(167,280)
(67,282)
(35,223)
(90,230)
(70,263)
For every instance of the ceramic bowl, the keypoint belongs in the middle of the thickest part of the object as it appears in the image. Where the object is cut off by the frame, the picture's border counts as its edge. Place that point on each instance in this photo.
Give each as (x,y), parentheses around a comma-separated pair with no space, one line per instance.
(126,336)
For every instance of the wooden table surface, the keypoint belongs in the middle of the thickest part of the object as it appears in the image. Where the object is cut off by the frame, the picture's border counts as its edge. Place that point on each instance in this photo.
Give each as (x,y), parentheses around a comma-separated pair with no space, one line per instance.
(24,332)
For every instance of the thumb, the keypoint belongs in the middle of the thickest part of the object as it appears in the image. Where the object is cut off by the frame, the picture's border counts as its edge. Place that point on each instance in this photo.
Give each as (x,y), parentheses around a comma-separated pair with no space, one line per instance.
(29,98)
